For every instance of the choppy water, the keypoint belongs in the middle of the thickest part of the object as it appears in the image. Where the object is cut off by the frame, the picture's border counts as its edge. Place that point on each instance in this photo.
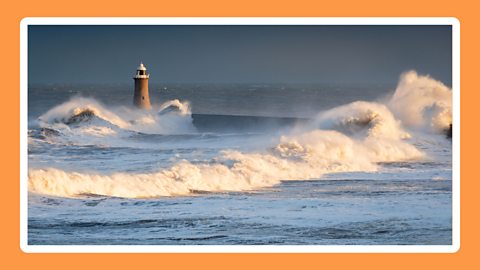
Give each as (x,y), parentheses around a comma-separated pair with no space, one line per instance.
(394,197)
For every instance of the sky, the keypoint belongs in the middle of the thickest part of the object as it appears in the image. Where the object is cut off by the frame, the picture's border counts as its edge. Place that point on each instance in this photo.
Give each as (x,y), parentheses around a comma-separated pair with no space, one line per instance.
(238,54)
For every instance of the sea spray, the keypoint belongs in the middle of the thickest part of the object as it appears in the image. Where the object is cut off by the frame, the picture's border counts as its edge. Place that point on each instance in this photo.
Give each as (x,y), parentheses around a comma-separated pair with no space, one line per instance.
(182,108)
(422,102)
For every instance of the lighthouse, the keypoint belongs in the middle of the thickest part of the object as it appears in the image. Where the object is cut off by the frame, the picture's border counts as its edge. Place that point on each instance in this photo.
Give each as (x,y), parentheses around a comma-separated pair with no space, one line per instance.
(141,98)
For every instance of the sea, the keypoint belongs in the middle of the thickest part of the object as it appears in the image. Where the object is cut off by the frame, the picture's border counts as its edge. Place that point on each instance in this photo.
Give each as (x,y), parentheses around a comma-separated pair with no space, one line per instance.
(241,164)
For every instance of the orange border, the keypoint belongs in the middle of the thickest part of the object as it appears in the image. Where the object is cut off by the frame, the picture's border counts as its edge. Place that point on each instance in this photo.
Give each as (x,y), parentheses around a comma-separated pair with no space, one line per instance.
(14,11)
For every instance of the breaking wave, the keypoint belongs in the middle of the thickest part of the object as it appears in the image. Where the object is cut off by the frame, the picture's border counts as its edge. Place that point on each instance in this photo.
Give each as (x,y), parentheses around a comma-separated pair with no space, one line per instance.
(422,102)
(80,109)
(353,137)
(81,119)
(362,118)
(308,156)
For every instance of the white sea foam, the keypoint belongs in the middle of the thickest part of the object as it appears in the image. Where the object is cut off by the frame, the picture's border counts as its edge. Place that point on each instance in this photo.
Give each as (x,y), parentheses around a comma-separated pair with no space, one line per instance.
(307,156)
(352,137)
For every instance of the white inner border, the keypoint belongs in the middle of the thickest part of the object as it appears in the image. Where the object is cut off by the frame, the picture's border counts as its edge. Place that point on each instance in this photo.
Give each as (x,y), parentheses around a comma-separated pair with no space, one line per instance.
(454,22)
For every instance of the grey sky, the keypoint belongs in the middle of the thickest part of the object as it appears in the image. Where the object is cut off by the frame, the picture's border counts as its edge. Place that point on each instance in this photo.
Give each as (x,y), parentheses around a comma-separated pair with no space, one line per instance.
(218,54)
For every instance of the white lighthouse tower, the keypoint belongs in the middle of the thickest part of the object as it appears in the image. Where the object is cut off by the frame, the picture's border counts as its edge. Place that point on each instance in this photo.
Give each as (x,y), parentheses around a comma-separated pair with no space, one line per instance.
(141,99)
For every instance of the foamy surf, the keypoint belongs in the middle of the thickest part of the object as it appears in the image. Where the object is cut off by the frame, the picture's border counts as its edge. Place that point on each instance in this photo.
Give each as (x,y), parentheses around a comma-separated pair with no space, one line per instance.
(306,156)
(355,137)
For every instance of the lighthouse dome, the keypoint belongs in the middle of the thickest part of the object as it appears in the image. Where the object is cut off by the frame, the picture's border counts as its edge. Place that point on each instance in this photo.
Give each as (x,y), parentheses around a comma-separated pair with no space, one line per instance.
(141,67)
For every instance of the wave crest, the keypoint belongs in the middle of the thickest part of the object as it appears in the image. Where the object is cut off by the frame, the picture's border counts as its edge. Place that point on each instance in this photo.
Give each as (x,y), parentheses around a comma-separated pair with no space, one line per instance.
(421,101)
(175,105)
(80,109)
(364,119)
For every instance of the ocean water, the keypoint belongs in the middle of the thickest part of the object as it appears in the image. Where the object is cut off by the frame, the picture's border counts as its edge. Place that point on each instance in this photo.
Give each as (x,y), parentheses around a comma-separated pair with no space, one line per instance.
(242,164)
